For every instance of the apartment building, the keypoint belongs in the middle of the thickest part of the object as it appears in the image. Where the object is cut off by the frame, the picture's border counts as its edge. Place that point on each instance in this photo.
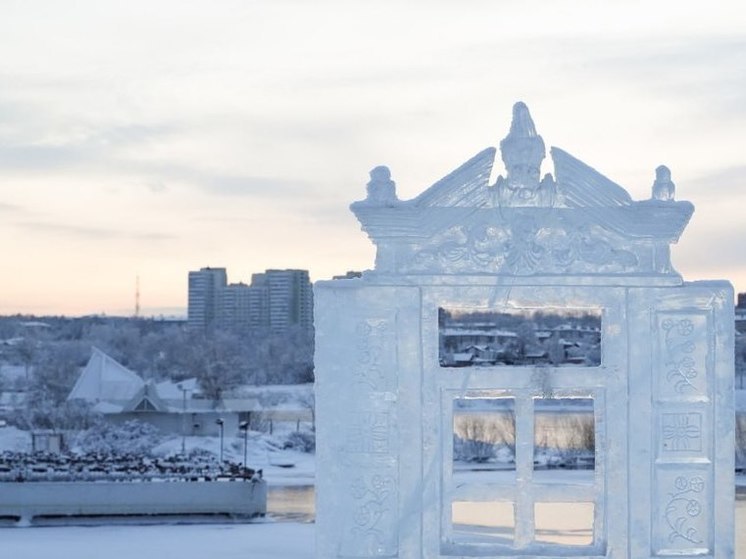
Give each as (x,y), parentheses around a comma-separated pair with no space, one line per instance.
(275,299)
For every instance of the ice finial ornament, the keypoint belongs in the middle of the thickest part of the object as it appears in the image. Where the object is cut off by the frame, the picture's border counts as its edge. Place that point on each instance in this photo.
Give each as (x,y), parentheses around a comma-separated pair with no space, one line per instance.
(381,189)
(522,152)
(663,187)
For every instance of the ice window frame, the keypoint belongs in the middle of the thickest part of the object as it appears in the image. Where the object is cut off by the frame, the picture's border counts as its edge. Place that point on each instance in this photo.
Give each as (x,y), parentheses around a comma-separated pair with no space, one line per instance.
(524,492)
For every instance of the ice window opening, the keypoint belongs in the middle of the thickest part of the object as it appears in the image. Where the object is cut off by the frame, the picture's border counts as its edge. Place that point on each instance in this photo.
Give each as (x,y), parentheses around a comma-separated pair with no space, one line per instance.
(564,440)
(483,522)
(484,437)
(564,524)
(527,337)
(553,505)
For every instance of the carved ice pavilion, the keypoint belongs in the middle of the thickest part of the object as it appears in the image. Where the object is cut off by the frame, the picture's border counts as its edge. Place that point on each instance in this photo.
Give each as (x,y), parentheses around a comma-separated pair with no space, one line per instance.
(391,481)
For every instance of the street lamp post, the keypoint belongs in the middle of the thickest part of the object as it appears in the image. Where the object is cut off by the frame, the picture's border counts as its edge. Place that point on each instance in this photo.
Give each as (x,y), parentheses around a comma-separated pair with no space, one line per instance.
(244,426)
(220,423)
(183,418)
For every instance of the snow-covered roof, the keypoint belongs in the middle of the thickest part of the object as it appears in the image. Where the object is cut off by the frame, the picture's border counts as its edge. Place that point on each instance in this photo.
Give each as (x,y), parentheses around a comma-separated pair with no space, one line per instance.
(104,379)
(242,404)
(10,373)
(107,407)
(462,357)
(170,390)
(35,324)
(455,331)
(146,399)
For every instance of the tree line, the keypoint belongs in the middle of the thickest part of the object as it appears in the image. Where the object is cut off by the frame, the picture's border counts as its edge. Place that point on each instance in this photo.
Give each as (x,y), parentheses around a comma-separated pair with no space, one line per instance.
(52,350)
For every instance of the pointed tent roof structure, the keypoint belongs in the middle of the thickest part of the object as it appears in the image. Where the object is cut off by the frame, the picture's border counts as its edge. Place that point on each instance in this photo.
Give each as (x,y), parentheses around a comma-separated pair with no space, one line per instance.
(104,379)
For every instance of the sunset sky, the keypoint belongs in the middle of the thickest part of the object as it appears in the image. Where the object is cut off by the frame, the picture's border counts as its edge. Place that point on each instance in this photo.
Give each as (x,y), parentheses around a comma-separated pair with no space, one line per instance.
(155,137)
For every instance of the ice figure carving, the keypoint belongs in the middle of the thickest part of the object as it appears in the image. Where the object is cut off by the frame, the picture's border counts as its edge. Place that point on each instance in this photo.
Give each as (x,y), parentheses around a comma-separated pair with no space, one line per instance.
(646,429)
(522,152)
(381,189)
(663,187)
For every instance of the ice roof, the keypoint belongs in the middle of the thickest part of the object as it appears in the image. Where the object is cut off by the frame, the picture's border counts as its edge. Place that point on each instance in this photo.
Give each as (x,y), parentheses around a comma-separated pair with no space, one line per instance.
(464,224)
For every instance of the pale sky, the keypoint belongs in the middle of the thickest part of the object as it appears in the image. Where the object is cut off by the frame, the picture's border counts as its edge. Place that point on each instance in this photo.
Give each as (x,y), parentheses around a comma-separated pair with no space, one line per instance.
(157,137)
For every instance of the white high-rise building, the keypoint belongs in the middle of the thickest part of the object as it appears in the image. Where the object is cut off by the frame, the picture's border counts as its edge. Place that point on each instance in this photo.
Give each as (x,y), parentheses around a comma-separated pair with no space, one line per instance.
(205,288)
(276,299)
(235,305)
(290,299)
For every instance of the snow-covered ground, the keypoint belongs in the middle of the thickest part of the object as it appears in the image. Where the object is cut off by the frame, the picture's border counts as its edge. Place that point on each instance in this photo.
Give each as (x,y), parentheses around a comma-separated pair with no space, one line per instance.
(268,540)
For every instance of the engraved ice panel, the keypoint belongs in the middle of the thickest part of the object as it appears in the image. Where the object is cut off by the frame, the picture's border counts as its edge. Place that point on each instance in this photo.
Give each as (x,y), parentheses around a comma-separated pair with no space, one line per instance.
(684,513)
(683,356)
(683,433)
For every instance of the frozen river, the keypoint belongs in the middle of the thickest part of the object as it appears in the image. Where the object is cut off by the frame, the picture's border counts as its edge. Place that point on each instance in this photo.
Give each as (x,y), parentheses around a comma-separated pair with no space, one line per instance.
(287,536)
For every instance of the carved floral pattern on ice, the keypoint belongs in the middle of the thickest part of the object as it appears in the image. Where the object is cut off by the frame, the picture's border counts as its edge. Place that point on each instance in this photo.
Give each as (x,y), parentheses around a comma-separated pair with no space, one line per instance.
(522,247)
(682,432)
(368,432)
(372,368)
(684,505)
(684,360)
(371,533)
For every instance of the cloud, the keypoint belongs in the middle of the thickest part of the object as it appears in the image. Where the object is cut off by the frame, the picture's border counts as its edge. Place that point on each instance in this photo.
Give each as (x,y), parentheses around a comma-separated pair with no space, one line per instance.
(420,75)
(89,233)
(10,208)
(64,146)
(718,248)
(40,158)
(99,151)
(727,182)
(707,70)
(156,186)
(216,182)
(252,186)
(155,237)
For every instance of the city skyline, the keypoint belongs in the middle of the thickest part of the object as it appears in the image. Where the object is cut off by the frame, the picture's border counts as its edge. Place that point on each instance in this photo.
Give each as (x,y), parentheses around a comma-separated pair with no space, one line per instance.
(275,299)
(145,140)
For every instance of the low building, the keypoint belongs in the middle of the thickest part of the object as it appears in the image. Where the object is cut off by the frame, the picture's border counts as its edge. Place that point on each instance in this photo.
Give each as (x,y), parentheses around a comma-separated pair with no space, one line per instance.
(120,395)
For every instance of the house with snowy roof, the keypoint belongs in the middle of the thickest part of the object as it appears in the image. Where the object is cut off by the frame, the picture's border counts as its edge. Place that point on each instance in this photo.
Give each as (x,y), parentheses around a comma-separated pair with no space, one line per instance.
(120,395)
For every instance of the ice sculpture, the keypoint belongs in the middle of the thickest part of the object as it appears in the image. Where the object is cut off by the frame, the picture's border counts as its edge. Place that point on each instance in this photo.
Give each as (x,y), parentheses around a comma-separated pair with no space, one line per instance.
(524,373)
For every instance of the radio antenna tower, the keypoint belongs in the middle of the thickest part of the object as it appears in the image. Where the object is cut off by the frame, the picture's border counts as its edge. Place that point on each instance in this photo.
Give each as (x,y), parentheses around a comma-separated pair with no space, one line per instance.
(137,296)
